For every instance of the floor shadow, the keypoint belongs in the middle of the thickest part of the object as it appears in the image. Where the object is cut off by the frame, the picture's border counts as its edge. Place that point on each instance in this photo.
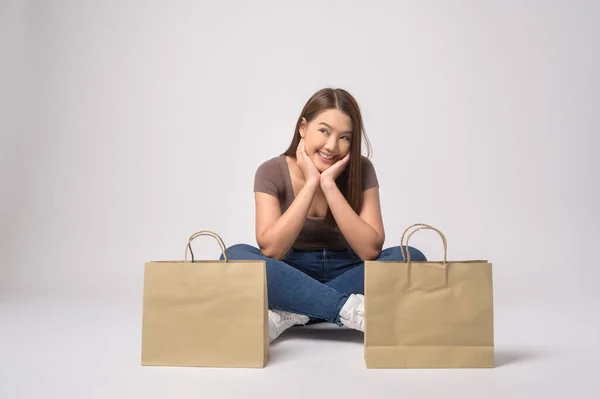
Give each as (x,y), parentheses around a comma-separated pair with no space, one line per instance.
(323,332)
(504,357)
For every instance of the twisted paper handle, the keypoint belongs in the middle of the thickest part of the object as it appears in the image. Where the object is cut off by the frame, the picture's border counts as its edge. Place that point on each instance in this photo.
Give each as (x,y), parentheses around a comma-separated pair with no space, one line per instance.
(422,226)
(204,233)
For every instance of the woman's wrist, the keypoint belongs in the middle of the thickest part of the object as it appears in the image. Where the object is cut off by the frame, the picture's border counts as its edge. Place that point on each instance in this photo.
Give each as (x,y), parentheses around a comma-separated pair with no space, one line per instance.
(312,182)
(327,184)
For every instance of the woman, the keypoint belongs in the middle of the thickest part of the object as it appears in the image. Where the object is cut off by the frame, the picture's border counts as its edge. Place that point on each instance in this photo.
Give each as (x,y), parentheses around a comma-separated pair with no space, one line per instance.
(318,218)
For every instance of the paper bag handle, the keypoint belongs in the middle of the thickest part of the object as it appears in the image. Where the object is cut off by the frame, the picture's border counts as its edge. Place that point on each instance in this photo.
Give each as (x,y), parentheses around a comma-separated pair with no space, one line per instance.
(204,233)
(402,238)
(422,226)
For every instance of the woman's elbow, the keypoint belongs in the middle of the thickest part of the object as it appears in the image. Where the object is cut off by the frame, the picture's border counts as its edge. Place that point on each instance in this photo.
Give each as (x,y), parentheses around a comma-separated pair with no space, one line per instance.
(269,253)
(372,255)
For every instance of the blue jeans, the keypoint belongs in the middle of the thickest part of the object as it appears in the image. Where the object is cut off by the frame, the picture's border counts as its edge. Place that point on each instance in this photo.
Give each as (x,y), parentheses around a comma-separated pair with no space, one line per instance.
(315,283)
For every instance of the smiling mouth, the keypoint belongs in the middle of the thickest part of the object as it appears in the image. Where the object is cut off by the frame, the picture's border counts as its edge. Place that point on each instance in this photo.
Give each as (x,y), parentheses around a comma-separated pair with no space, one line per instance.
(325,158)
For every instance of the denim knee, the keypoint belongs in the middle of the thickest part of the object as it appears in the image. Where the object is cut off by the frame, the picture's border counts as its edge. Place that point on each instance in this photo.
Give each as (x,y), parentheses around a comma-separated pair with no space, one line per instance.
(394,254)
(416,255)
(237,251)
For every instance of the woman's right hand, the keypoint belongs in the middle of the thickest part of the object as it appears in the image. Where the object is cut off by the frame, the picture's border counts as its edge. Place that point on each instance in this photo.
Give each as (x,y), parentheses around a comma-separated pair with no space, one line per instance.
(306,165)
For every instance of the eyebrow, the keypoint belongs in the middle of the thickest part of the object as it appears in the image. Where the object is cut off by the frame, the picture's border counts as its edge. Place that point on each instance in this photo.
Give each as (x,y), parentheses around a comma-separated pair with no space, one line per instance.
(323,123)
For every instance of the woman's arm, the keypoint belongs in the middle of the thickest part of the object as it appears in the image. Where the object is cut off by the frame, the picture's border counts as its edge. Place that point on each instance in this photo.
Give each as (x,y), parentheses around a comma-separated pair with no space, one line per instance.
(364,233)
(276,233)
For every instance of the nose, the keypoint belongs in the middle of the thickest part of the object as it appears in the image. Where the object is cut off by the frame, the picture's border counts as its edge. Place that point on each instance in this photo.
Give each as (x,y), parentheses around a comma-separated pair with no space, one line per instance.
(332,144)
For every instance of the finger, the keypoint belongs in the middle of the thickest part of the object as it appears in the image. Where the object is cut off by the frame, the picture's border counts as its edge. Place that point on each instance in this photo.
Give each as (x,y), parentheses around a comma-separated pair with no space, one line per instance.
(298,155)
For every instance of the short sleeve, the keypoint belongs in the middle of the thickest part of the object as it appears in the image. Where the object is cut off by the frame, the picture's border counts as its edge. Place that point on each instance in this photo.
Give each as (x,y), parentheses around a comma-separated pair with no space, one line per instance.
(369,177)
(267,178)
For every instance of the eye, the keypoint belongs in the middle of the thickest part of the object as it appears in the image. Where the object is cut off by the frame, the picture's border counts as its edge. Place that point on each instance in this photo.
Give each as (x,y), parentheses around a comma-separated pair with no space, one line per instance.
(324,131)
(346,137)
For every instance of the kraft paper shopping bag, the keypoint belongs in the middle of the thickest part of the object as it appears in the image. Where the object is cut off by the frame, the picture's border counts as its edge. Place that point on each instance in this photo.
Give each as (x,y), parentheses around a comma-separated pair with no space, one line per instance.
(428,314)
(205,313)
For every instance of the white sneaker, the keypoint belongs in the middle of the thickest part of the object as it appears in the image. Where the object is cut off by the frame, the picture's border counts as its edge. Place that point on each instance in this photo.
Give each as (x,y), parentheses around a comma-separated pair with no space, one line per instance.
(352,314)
(279,321)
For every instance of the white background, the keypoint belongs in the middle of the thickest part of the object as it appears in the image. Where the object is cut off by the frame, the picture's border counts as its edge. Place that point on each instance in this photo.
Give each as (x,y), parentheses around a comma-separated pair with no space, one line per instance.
(126,126)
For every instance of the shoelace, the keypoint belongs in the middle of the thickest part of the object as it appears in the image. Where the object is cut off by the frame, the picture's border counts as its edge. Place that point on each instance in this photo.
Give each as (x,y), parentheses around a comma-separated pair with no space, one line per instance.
(276,318)
(289,318)
(282,319)
(360,311)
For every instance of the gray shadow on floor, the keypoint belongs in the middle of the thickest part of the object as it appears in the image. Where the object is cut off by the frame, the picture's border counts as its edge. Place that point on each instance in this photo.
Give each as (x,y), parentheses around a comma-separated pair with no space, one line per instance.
(323,332)
(508,356)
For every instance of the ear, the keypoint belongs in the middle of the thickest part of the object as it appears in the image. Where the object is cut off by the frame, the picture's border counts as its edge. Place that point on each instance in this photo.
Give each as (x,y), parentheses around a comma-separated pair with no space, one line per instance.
(302,128)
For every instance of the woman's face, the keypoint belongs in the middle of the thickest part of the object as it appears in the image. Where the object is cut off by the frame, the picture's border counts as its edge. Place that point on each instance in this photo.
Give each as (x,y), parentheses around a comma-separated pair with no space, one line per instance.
(327,137)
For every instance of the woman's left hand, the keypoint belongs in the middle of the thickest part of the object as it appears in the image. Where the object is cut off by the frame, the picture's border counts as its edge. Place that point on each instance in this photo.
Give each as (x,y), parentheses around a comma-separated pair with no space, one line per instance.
(330,174)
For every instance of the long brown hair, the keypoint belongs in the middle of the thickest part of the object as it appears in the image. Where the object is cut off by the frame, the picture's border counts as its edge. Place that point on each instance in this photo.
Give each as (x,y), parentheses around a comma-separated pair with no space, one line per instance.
(350,180)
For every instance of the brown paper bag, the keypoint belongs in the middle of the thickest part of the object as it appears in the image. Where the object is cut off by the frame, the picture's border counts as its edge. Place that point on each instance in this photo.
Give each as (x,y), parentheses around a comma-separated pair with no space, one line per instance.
(205,313)
(428,314)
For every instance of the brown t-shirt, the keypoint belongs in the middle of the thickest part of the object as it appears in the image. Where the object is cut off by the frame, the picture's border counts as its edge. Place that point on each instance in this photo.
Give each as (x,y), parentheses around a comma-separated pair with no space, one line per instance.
(273,177)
